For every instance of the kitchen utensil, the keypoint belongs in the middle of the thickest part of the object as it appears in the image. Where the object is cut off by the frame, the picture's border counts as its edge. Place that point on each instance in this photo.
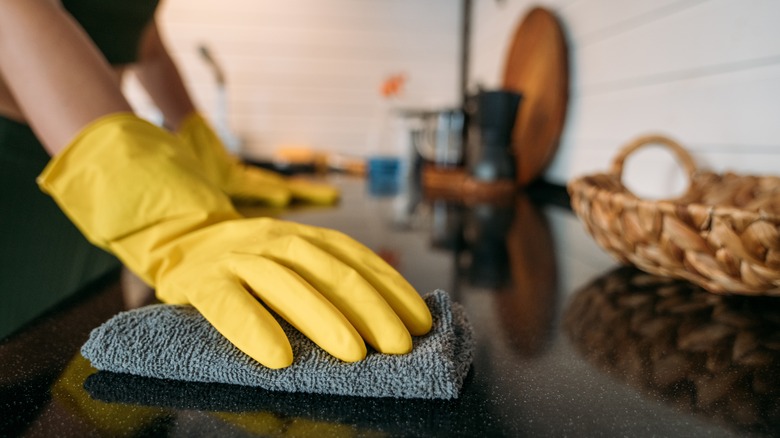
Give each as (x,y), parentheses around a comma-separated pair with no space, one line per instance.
(384,175)
(537,67)
(438,137)
(495,118)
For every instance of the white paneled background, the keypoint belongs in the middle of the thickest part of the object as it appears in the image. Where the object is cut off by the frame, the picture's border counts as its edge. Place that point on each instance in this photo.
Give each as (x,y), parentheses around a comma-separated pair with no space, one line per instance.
(308,72)
(705,72)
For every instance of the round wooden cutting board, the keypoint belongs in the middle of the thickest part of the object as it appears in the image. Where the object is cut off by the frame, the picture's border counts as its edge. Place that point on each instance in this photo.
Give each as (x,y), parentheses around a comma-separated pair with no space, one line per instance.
(537,67)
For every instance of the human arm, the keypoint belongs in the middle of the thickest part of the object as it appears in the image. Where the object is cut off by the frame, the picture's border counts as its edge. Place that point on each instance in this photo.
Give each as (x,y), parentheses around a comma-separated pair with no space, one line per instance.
(58,77)
(159,75)
(131,188)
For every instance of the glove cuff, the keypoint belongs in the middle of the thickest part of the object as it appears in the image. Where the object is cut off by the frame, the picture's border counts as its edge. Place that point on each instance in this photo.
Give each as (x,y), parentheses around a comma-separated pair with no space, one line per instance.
(199,138)
(192,122)
(130,188)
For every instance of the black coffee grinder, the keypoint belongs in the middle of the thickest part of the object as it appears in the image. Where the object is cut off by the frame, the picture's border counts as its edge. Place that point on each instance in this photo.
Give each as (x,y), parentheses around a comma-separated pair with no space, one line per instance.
(493,115)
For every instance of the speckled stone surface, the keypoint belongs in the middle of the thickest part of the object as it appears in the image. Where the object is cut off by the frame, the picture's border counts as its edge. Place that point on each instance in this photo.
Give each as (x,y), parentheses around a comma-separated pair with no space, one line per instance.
(553,356)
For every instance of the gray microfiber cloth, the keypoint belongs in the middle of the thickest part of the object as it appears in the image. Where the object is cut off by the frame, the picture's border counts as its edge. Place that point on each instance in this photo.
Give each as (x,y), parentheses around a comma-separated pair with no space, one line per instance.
(176,342)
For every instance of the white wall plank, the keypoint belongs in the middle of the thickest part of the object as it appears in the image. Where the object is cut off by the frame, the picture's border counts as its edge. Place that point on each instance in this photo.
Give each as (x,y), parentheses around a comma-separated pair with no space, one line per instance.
(729,108)
(589,21)
(711,36)
(309,71)
(657,176)
(706,72)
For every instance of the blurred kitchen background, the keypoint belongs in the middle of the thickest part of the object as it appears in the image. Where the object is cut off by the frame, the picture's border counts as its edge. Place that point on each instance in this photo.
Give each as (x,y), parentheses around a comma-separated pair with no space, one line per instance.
(307,73)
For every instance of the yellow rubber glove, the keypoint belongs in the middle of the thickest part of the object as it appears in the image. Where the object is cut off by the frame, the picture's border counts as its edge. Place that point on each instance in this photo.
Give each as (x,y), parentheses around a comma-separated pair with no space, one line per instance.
(242,182)
(131,189)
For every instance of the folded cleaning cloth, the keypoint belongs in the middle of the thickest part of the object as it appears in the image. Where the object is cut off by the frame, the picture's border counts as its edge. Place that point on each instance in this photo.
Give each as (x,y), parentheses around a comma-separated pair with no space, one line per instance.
(176,342)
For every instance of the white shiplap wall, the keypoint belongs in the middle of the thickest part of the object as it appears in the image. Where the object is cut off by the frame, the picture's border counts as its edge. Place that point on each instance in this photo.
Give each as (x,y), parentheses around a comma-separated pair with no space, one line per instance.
(308,72)
(706,72)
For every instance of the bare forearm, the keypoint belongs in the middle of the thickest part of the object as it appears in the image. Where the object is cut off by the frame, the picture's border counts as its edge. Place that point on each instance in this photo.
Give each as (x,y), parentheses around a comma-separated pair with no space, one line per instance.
(56,74)
(160,77)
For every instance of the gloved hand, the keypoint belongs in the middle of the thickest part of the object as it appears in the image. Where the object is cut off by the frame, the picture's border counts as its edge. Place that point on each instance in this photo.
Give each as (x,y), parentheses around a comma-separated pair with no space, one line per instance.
(131,189)
(242,182)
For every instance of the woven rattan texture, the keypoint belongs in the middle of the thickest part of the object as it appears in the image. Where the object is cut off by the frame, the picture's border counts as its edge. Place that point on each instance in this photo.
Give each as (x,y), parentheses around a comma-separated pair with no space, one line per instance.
(722,234)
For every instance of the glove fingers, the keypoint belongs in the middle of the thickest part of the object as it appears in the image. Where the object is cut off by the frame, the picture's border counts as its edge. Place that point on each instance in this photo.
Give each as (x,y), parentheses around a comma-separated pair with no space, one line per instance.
(393,287)
(273,194)
(313,193)
(295,300)
(346,289)
(258,174)
(240,318)
(253,183)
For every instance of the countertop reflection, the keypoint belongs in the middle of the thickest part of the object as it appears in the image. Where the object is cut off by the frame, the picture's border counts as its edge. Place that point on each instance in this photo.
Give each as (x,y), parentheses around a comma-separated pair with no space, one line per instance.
(568,343)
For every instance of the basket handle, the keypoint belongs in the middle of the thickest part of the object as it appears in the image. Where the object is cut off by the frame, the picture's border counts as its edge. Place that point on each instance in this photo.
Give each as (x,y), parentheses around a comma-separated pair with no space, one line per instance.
(682,154)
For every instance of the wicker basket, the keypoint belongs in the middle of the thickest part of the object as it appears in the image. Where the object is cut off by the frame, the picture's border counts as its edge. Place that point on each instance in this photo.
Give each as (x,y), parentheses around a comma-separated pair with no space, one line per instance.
(722,234)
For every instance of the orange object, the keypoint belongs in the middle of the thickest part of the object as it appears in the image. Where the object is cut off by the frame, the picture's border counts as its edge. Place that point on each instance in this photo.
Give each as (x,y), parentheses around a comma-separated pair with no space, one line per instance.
(537,67)
(393,85)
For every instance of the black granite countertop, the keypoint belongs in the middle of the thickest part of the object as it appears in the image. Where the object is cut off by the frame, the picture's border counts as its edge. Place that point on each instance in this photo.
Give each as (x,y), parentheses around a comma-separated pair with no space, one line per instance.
(568,343)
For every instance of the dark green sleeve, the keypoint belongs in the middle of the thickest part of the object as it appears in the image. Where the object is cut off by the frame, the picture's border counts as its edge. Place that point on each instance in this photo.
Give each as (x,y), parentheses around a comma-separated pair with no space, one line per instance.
(44,259)
(115,26)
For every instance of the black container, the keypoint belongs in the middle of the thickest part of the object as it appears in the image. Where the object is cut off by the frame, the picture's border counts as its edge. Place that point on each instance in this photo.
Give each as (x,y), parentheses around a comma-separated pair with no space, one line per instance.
(494,120)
